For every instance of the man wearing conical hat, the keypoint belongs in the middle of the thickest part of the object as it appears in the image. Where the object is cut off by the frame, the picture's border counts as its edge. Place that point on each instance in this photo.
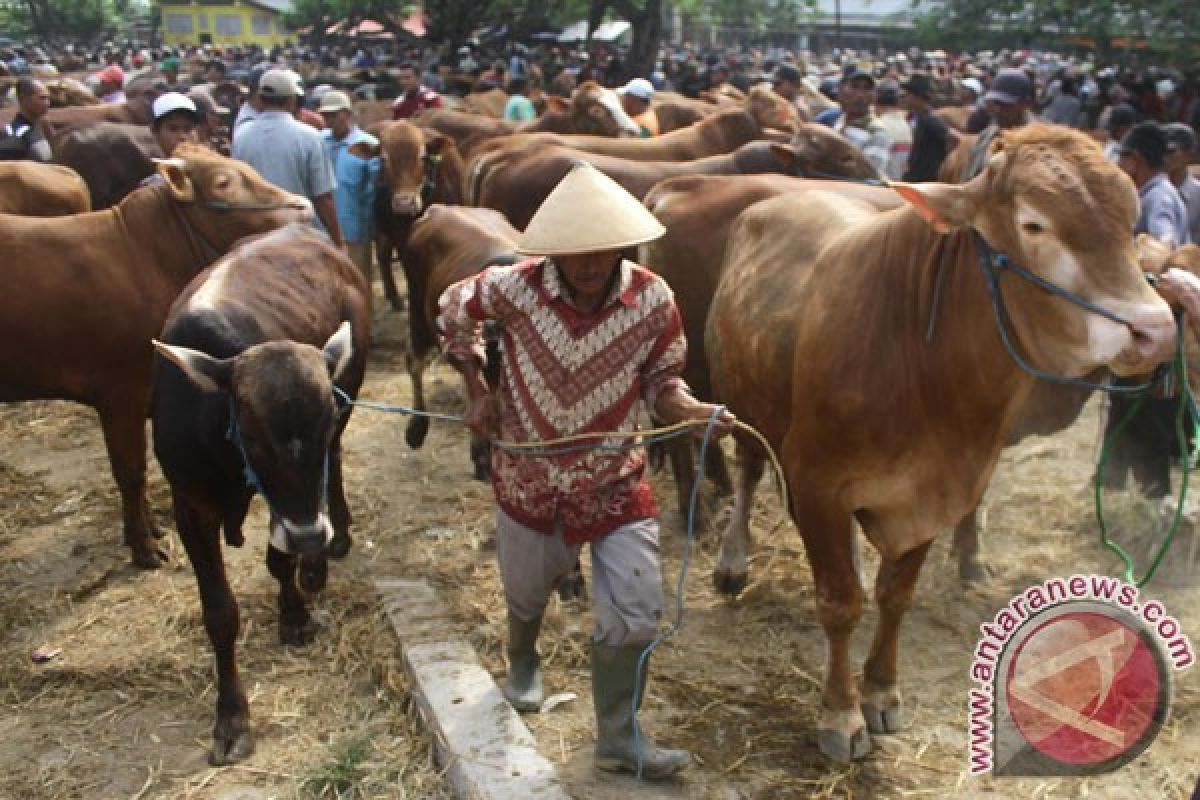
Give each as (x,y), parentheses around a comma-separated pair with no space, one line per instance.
(587,337)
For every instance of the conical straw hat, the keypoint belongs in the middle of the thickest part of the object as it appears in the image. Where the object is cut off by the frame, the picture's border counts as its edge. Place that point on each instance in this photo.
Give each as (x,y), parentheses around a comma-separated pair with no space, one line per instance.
(588,212)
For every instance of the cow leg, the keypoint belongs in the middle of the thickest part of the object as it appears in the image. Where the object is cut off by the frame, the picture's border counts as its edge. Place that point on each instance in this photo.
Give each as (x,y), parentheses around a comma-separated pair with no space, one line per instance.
(198,530)
(296,626)
(828,536)
(971,569)
(418,425)
(894,585)
(716,468)
(386,249)
(731,573)
(339,509)
(124,425)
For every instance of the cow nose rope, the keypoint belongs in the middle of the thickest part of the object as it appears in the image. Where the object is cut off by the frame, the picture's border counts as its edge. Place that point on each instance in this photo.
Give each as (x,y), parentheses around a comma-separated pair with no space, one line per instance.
(993,263)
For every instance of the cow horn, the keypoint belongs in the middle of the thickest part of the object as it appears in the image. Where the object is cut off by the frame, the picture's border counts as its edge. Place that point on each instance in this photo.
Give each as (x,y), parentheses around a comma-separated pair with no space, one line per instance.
(178,163)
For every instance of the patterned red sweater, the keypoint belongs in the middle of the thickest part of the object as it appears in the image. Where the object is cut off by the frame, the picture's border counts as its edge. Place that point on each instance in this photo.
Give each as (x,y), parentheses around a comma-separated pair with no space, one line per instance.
(567,372)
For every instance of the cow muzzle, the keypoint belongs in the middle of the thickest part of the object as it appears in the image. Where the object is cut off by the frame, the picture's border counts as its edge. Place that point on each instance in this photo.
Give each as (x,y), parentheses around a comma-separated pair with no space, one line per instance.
(406,204)
(303,540)
(1152,339)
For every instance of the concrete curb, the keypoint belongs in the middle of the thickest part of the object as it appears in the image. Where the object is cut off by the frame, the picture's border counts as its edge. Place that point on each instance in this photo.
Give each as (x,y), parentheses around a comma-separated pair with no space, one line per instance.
(489,751)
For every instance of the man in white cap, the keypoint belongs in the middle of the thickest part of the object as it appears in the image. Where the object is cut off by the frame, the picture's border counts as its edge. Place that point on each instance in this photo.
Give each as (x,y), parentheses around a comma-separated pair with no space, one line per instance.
(636,97)
(286,152)
(587,337)
(354,154)
(175,118)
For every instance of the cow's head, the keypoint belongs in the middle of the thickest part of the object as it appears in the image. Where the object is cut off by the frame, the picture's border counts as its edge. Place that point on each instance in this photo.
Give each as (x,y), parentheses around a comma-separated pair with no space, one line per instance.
(284,419)
(817,151)
(772,111)
(411,159)
(597,111)
(224,199)
(1051,203)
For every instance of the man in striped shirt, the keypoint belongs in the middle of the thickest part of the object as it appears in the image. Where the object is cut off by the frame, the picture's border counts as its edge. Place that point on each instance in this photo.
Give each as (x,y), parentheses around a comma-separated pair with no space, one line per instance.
(587,337)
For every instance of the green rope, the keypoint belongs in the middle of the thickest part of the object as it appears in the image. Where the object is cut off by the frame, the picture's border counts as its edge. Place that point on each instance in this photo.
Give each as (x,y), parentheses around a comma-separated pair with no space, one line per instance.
(1187,409)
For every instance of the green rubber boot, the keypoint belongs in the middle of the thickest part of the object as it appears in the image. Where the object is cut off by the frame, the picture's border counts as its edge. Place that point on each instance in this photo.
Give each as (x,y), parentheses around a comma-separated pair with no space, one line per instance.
(523,687)
(614,677)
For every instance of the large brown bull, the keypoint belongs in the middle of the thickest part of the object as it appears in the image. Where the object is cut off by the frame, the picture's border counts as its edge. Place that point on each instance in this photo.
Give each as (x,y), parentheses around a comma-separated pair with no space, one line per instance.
(817,336)
(85,294)
(112,157)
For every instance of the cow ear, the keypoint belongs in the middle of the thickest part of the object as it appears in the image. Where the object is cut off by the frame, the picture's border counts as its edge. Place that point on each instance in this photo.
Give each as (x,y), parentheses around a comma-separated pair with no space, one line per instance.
(207,373)
(174,172)
(944,206)
(557,104)
(338,350)
(436,142)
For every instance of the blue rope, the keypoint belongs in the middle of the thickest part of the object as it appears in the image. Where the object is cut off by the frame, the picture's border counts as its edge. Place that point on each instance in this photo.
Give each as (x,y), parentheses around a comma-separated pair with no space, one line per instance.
(992,263)
(675,626)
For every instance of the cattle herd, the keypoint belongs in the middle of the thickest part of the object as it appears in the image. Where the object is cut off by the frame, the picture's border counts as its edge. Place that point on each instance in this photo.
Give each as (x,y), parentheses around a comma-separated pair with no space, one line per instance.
(849,322)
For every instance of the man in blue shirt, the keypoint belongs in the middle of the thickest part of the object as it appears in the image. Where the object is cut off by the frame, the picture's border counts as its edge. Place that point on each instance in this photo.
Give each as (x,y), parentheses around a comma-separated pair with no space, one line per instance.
(1143,157)
(354,154)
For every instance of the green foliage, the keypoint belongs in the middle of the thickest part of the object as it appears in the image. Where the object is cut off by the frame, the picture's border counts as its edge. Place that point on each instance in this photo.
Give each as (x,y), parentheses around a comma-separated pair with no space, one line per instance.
(62,19)
(349,773)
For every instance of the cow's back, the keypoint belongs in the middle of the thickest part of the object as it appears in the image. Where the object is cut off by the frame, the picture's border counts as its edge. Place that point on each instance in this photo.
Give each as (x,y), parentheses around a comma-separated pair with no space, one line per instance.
(113,158)
(41,190)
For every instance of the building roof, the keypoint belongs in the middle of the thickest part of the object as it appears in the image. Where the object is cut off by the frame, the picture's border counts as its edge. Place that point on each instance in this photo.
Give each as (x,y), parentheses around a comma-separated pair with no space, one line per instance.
(870,11)
(278,6)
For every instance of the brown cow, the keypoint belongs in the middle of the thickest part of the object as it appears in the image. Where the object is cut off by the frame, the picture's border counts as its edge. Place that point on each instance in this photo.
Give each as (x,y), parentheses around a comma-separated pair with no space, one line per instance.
(817,337)
(136,110)
(592,109)
(517,181)
(112,157)
(88,292)
(447,244)
(253,395)
(30,189)
(698,212)
(420,167)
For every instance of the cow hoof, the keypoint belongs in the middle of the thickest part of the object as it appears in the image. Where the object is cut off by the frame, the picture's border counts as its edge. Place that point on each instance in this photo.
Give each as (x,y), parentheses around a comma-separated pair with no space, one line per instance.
(298,634)
(340,546)
(415,432)
(729,583)
(231,749)
(149,559)
(840,747)
(973,572)
(885,720)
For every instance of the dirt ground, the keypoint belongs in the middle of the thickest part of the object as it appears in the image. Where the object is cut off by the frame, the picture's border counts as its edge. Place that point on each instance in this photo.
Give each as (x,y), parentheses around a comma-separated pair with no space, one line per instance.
(126,709)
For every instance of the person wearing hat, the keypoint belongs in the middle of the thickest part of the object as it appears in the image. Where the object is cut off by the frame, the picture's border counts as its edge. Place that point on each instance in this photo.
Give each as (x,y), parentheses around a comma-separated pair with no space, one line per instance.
(287,152)
(1181,150)
(1008,102)
(175,121)
(587,337)
(22,138)
(931,139)
(1143,157)
(786,83)
(169,67)
(1121,118)
(211,117)
(354,154)
(858,122)
(110,84)
(636,97)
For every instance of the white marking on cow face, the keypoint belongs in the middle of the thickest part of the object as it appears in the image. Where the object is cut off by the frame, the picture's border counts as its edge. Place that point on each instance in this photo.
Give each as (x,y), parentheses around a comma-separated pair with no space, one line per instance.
(1040,240)
(279,532)
(209,296)
(625,123)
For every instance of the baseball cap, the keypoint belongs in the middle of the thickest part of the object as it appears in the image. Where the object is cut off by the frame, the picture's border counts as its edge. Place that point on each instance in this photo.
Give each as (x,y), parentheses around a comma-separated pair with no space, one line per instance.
(111,74)
(280,83)
(1180,137)
(334,101)
(1122,115)
(172,102)
(640,88)
(1010,86)
(974,85)
(1148,140)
